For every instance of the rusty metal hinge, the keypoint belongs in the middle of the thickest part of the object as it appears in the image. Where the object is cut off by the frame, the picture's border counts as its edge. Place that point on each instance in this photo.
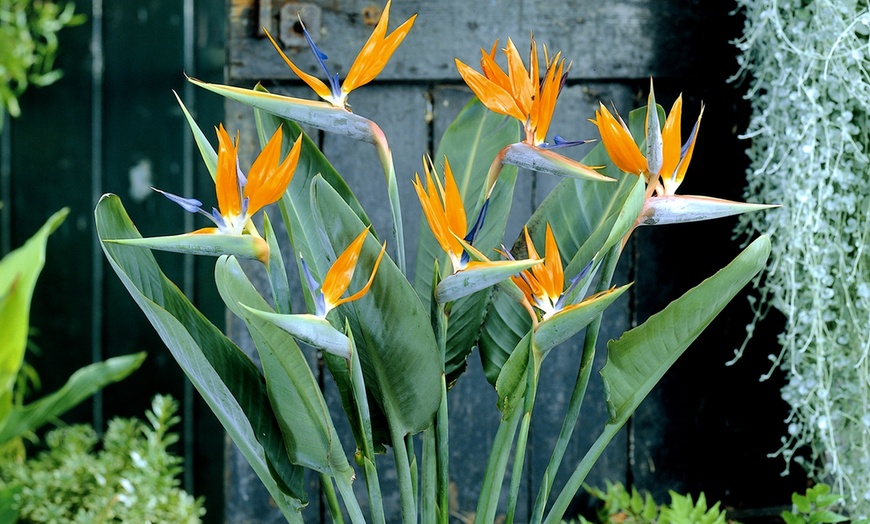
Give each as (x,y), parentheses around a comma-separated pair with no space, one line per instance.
(281,19)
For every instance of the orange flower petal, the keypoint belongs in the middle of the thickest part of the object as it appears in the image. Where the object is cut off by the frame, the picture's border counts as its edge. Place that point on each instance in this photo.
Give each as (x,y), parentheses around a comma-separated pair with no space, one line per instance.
(618,142)
(553,266)
(495,97)
(227,179)
(376,52)
(680,173)
(268,180)
(453,206)
(365,288)
(671,144)
(313,82)
(522,87)
(339,275)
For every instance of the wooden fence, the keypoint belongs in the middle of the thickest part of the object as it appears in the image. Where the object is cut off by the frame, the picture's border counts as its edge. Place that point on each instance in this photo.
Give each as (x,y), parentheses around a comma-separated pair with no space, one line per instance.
(112,125)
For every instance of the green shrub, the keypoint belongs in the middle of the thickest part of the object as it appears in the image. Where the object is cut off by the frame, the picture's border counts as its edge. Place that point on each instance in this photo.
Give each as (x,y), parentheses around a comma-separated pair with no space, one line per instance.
(129,476)
(631,507)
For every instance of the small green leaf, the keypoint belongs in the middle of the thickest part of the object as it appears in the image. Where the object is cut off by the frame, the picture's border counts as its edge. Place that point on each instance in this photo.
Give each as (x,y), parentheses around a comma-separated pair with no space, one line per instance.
(826,516)
(80,386)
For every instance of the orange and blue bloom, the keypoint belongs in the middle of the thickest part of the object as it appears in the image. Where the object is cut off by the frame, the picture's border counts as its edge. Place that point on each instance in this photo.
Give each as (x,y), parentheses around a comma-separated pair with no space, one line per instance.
(519,92)
(329,295)
(240,196)
(543,285)
(369,63)
(665,163)
(443,208)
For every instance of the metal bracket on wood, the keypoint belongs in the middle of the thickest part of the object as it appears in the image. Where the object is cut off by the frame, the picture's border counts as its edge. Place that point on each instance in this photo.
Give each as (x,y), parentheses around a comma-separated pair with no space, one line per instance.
(282,19)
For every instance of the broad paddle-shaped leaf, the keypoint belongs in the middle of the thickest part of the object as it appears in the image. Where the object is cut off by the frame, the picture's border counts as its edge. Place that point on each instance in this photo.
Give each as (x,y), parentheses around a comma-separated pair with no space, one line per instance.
(225,377)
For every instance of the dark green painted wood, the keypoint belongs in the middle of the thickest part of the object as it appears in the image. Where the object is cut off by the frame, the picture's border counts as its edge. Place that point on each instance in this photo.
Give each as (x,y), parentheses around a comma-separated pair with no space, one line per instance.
(112,115)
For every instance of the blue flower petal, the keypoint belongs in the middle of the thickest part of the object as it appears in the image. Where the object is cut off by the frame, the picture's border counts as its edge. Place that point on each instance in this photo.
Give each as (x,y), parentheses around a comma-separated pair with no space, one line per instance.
(190,205)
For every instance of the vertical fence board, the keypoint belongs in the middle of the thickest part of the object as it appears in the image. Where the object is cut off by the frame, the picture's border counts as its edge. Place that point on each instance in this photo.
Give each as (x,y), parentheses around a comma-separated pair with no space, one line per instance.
(50,169)
(111,114)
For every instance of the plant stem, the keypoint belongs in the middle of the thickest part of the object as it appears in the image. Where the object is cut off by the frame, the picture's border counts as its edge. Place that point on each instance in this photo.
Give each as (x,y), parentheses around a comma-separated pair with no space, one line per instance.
(362,407)
(350,501)
(440,320)
(428,505)
(578,394)
(532,376)
(443,449)
(576,481)
(328,491)
(403,475)
(386,158)
(495,469)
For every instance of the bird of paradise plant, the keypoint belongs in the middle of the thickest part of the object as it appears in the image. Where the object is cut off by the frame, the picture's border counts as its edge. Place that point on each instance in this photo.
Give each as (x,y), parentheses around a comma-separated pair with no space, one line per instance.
(395,346)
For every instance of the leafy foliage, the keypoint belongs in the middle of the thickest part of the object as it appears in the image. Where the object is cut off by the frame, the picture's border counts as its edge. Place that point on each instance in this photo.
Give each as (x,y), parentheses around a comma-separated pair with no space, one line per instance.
(625,506)
(810,96)
(28,46)
(128,476)
(817,505)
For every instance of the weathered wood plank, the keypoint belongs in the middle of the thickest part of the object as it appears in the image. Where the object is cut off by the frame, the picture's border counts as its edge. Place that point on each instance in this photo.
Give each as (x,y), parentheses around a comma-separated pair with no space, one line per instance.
(620,39)
(50,168)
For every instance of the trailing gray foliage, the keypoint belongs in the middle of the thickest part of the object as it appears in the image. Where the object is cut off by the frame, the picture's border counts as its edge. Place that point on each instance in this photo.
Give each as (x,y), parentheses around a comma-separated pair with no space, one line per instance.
(807,65)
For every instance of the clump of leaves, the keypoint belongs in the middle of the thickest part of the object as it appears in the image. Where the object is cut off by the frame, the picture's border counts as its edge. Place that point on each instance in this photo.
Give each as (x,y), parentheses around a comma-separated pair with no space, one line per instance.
(818,505)
(132,477)
(625,506)
(28,46)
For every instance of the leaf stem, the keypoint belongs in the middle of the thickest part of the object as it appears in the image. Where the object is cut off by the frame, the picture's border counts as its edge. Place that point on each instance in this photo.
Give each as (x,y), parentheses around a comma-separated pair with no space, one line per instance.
(495,469)
(579,392)
(532,376)
(328,491)
(386,157)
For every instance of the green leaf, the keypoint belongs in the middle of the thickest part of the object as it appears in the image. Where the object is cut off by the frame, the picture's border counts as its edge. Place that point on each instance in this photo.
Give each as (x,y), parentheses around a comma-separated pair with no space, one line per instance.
(476,278)
(244,246)
(571,320)
(470,143)
(309,434)
(640,357)
(8,510)
(19,271)
(209,155)
(826,516)
(401,361)
(80,386)
(225,377)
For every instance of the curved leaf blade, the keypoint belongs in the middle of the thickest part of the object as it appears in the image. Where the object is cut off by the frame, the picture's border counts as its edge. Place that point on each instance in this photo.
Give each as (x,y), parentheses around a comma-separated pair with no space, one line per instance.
(309,434)
(226,378)
(640,357)
(401,361)
(80,386)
